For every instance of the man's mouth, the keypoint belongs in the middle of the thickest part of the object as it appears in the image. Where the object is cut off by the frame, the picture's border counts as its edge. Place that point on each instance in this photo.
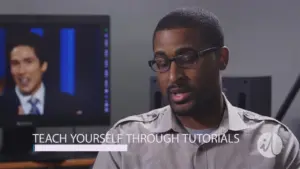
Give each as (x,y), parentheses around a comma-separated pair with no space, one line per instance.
(24,81)
(179,96)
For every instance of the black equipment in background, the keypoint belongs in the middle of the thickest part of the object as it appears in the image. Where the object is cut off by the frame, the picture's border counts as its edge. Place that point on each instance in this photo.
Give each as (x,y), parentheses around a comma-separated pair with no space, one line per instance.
(250,93)
(156,98)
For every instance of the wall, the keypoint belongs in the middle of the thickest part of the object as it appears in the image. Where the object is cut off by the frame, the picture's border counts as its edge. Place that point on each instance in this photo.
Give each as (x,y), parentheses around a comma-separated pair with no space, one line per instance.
(262,36)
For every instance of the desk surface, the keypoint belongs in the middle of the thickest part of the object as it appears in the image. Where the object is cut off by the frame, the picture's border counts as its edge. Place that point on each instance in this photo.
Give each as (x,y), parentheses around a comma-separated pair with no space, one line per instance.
(30,164)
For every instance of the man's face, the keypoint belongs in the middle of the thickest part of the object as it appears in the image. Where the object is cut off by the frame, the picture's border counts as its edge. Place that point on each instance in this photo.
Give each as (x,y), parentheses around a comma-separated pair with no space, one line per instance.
(187,89)
(26,69)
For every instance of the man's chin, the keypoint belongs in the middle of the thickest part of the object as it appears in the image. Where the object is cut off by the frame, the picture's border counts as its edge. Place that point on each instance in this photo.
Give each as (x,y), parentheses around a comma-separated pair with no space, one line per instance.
(25,91)
(183,109)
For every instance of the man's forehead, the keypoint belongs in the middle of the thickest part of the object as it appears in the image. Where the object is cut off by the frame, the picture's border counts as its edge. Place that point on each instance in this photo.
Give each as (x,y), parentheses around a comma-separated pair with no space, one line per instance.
(22,52)
(22,48)
(176,38)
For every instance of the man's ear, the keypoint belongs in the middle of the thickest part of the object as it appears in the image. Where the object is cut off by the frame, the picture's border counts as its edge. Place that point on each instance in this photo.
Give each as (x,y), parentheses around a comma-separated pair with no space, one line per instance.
(223,58)
(44,66)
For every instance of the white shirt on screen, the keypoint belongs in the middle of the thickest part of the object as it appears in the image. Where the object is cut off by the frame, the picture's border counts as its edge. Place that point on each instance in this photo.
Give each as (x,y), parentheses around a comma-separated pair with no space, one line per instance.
(40,93)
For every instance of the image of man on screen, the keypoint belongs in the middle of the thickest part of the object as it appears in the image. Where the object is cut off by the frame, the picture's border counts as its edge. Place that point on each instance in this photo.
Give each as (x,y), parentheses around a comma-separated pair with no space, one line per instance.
(30,95)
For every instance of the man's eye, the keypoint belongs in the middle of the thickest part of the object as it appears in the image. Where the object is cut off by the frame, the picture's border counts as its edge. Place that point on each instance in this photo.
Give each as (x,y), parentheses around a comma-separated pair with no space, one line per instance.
(160,61)
(13,63)
(188,58)
(28,61)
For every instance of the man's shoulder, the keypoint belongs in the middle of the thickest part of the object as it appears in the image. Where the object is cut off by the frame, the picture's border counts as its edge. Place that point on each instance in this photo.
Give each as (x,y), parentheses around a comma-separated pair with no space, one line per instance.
(56,101)
(270,129)
(133,122)
(264,123)
(256,117)
(57,97)
(9,97)
(56,93)
(9,93)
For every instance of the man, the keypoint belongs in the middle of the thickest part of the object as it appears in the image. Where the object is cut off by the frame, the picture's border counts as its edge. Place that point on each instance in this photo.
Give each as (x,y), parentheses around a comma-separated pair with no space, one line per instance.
(30,96)
(189,54)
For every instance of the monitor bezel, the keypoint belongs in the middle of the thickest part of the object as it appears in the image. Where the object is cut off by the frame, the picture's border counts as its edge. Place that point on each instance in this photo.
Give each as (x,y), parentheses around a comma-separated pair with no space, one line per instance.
(103,119)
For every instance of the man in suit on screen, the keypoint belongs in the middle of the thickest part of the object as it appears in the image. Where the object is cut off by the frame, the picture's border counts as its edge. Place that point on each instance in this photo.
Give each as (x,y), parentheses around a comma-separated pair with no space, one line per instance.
(30,95)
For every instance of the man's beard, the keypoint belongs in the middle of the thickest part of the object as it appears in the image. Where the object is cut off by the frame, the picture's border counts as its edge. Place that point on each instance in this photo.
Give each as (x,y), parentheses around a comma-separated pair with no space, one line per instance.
(199,106)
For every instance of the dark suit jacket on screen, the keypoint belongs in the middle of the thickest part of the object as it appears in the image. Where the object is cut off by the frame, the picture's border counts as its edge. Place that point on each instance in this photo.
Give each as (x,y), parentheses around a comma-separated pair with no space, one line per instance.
(55,104)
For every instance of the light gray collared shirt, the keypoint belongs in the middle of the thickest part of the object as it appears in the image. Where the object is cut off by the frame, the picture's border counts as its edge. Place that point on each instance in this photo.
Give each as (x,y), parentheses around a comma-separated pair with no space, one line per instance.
(243,140)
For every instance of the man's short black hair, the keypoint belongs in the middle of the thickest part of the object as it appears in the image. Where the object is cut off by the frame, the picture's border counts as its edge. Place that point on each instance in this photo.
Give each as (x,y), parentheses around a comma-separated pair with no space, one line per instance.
(196,18)
(27,39)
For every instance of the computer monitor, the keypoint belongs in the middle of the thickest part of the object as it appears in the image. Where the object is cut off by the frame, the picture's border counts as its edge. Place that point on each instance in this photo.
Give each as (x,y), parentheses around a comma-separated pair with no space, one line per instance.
(54,70)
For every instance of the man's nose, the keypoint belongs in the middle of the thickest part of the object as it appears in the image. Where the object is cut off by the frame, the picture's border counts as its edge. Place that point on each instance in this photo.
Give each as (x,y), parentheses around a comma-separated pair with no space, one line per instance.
(175,74)
(21,69)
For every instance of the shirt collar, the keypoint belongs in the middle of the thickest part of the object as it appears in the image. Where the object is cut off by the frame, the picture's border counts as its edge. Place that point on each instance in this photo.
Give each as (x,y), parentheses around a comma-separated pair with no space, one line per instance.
(231,120)
(234,119)
(39,94)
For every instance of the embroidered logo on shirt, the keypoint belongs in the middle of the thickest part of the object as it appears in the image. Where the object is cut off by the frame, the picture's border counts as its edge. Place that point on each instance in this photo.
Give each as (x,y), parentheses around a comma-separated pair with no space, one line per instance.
(269,145)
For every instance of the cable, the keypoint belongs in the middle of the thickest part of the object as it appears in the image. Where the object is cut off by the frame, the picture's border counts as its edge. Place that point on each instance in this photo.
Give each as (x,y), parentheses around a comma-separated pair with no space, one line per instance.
(289,99)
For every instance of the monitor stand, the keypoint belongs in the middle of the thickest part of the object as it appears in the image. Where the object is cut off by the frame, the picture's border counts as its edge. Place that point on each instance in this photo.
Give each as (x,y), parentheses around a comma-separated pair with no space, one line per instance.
(18,146)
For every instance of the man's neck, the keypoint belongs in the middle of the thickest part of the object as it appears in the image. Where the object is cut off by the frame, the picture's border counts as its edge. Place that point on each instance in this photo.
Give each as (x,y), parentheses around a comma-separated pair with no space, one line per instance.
(211,117)
(37,88)
(33,92)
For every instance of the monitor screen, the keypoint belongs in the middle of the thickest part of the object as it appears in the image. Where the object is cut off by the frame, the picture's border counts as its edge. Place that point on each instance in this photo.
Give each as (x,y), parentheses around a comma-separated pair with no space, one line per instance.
(54,70)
